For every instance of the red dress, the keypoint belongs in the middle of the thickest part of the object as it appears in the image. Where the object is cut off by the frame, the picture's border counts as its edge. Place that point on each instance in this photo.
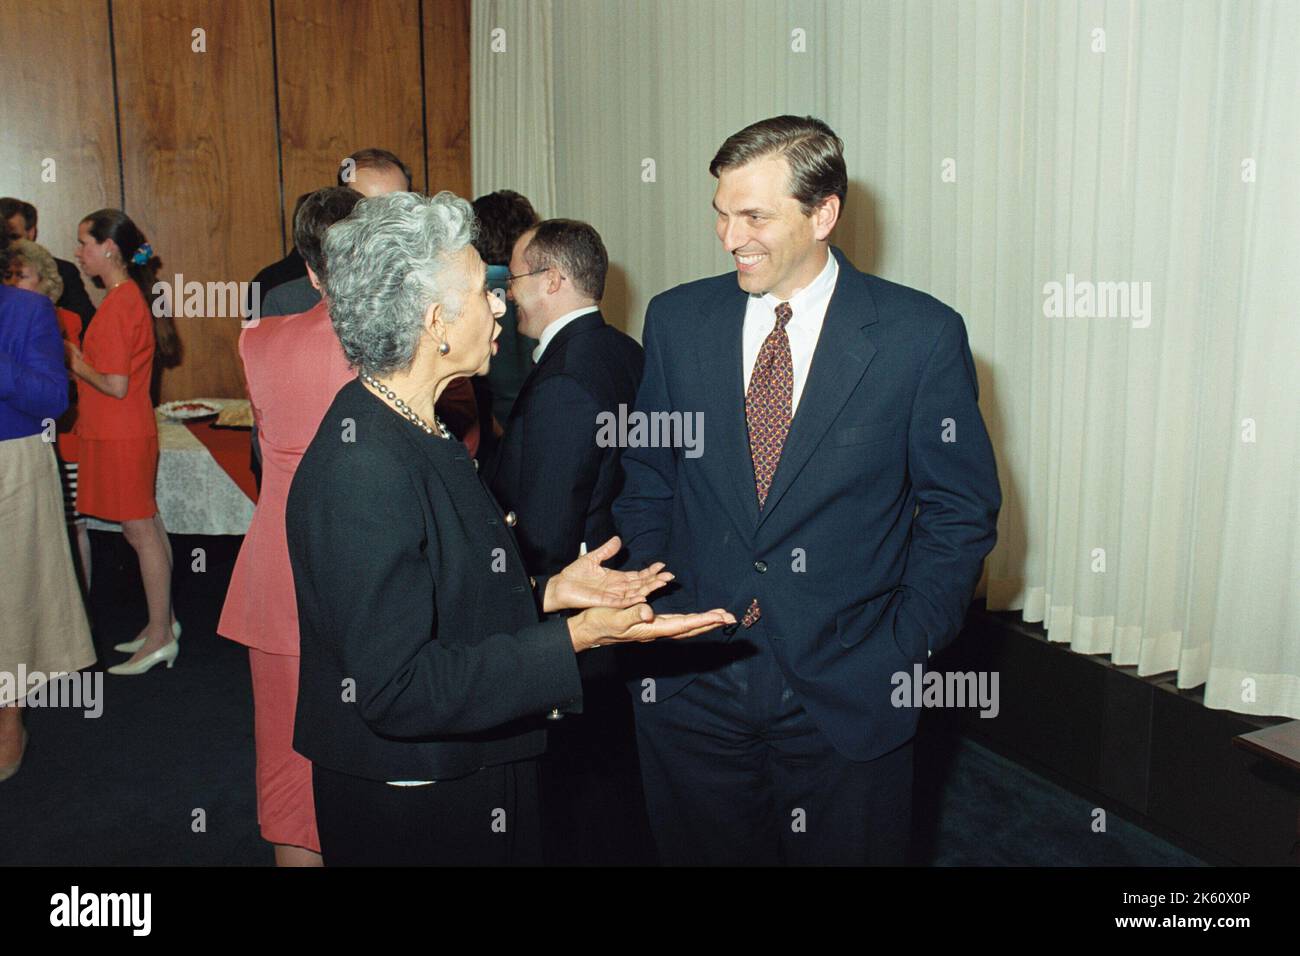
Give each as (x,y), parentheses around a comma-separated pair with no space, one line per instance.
(117,438)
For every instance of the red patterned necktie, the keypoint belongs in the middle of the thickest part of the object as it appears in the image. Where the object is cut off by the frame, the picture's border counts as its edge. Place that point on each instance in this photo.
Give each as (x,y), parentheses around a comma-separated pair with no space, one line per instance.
(768,412)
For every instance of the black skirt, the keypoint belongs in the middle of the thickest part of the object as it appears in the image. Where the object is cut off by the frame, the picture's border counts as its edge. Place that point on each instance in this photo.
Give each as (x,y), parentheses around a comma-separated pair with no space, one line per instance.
(488,818)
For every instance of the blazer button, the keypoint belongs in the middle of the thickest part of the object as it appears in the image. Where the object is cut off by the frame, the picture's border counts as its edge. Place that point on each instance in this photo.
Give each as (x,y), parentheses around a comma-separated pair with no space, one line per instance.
(511,520)
(760,567)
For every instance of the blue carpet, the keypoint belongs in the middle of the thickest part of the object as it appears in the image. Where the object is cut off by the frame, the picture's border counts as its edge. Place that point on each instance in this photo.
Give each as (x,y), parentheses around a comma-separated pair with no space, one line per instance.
(991,811)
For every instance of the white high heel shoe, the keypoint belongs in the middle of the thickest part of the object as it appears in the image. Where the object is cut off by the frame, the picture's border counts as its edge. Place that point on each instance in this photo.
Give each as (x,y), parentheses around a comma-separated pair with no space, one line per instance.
(165,653)
(130,647)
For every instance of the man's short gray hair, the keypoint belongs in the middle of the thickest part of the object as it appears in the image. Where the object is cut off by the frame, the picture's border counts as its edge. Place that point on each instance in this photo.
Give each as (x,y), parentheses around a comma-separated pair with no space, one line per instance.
(388,262)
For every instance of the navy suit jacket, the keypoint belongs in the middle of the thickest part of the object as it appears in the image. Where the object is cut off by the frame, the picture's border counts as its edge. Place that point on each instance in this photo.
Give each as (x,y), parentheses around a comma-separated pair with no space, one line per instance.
(880,514)
(550,470)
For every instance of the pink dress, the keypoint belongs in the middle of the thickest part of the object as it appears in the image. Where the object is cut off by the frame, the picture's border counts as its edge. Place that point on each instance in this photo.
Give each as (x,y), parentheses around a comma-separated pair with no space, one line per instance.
(294,367)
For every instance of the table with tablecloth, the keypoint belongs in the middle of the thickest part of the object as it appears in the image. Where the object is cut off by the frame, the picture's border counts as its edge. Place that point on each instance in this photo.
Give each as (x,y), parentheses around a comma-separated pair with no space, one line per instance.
(205,485)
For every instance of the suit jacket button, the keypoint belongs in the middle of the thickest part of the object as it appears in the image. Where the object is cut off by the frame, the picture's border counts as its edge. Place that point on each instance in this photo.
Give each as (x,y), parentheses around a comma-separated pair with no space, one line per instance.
(760,567)
(511,520)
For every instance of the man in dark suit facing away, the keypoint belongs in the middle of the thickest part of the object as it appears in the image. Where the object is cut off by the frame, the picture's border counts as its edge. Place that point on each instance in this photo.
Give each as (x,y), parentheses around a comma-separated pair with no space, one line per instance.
(841,505)
(557,480)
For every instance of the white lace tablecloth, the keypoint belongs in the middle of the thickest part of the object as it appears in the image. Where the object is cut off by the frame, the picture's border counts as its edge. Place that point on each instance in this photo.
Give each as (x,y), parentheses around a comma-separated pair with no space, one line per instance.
(194,493)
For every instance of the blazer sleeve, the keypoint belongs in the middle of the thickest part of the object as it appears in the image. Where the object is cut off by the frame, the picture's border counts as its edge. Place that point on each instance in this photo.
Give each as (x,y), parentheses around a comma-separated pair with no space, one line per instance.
(35,382)
(956,487)
(366,560)
(643,511)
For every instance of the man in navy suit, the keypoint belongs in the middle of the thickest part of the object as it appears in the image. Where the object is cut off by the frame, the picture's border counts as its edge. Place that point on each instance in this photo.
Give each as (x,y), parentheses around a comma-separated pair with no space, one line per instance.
(841,506)
(550,468)
(558,479)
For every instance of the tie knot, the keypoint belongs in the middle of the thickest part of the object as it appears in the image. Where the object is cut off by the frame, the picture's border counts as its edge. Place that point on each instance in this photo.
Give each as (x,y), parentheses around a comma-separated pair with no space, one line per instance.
(783,313)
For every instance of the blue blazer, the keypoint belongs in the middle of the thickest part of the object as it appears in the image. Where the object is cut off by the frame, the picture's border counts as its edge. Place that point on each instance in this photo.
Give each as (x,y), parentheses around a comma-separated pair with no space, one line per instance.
(33,379)
(881,511)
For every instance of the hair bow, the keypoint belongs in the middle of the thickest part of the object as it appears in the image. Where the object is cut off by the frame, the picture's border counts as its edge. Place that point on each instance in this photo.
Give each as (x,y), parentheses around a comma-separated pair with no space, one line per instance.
(143,254)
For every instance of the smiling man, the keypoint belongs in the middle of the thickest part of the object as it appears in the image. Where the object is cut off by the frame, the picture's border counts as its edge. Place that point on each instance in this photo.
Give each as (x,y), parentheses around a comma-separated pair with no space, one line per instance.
(842,511)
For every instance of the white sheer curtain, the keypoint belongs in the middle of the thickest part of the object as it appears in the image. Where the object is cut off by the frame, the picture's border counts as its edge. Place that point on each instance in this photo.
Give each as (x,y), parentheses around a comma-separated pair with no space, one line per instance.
(512,130)
(1149,449)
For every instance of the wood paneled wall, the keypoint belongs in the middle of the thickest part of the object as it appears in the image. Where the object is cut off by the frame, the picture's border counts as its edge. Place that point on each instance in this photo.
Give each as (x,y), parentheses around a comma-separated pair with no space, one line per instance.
(446,99)
(58,129)
(199,165)
(358,61)
(208,150)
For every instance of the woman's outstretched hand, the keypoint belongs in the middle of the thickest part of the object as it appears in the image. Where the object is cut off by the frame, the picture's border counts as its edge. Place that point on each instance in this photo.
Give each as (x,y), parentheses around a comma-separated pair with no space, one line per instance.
(584,583)
(638,624)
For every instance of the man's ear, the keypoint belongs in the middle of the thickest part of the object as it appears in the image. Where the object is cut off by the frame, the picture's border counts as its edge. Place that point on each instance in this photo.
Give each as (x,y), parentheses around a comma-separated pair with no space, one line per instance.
(825,217)
(314,280)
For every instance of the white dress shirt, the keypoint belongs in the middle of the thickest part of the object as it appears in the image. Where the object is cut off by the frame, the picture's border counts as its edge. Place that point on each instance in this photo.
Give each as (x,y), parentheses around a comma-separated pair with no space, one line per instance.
(808,311)
(552,330)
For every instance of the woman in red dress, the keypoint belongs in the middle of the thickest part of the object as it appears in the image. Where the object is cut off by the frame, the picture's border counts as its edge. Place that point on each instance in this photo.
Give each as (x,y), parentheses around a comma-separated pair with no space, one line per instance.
(117,434)
(294,366)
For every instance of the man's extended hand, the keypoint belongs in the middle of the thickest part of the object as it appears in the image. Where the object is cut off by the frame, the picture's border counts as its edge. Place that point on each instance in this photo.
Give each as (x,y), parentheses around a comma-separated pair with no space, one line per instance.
(584,583)
(599,625)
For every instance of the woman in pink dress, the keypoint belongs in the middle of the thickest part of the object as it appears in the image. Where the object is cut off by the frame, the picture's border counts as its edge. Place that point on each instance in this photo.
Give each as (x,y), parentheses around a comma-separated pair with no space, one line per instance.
(294,366)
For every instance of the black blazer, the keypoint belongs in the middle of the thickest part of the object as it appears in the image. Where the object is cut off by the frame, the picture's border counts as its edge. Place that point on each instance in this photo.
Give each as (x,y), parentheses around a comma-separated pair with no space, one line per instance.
(882,508)
(422,655)
(549,469)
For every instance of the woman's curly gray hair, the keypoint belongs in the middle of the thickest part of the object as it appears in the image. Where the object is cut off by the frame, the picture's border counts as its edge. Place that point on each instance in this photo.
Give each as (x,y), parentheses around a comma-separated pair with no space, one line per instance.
(39,258)
(387,263)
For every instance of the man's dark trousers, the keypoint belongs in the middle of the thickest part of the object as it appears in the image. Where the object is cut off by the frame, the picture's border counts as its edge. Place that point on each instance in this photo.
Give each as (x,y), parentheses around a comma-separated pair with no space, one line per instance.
(736,773)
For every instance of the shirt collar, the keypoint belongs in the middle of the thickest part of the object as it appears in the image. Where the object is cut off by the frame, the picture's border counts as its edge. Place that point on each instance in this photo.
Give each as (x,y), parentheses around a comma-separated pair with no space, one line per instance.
(818,288)
(553,329)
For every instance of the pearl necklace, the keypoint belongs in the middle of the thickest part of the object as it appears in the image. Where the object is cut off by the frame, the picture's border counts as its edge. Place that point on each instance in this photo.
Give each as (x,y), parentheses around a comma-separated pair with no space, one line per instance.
(405,409)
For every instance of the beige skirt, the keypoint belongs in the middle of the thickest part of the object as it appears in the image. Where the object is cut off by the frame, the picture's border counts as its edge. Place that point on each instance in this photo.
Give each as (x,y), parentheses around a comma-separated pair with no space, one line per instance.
(43,627)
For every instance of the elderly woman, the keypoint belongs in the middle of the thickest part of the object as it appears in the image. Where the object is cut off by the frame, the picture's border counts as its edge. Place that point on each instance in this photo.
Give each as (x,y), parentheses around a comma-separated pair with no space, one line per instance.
(43,628)
(31,267)
(426,671)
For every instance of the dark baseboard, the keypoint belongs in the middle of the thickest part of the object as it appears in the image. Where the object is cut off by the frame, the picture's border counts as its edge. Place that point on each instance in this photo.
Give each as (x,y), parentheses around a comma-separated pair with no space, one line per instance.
(1138,746)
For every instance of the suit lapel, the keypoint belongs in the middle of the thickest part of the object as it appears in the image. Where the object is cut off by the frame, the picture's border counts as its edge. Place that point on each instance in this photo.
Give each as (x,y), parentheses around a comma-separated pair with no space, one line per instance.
(840,360)
(720,360)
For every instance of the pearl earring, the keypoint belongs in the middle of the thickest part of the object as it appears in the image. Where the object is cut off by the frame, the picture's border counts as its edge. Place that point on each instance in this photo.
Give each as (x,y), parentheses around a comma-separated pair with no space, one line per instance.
(444,348)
